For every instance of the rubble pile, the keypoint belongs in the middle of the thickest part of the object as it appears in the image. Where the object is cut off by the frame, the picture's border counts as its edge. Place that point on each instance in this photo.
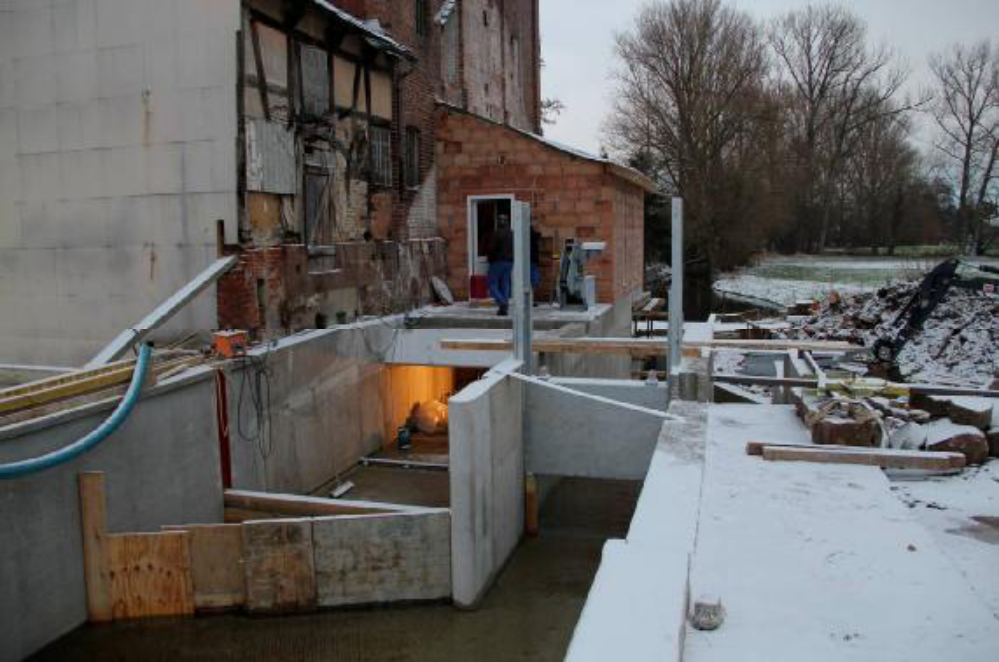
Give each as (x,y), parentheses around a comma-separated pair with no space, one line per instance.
(959,424)
(958,344)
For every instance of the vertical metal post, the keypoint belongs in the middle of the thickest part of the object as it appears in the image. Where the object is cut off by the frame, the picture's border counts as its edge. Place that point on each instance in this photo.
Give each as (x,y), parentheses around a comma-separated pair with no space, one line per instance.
(676,296)
(522,294)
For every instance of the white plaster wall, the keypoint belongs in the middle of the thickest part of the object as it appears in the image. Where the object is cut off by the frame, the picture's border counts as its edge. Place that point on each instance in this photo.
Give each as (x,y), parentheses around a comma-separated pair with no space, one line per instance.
(117,155)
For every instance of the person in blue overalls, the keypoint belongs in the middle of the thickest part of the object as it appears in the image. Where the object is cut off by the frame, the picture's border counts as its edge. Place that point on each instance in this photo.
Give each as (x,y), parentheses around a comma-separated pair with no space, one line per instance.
(500,256)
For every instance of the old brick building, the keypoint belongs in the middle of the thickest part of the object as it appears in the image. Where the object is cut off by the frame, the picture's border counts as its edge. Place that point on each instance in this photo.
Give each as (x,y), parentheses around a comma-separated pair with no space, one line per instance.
(483,164)
(339,185)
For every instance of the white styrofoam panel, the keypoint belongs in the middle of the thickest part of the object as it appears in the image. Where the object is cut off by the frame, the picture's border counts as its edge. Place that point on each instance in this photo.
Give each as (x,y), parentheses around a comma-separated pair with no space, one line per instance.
(83,222)
(8,135)
(28,270)
(202,211)
(218,15)
(34,81)
(10,222)
(39,228)
(32,32)
(163,168)
(36,130)
(223,165)
(219,107)
(158,220)
(8,91)
(124,170)
(80,175)
(79,124)
(197,166)
(119,71)
(76,76)
(160,57)
(39,175)
(122,121)
(119,23)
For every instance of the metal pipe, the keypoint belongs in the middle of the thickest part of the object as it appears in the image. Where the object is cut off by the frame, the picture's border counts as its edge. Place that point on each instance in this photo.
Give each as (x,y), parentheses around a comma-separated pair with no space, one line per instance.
(676,294)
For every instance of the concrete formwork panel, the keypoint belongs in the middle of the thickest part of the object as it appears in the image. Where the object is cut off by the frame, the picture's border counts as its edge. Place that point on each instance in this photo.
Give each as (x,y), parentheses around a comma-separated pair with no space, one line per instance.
(382,558)
(487,480)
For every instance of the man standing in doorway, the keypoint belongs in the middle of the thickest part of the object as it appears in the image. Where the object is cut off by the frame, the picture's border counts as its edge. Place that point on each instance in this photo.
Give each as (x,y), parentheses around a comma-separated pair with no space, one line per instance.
(500,256)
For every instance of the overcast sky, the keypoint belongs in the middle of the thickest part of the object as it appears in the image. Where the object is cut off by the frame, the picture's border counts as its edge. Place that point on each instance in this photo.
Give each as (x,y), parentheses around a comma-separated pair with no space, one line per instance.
(577,40)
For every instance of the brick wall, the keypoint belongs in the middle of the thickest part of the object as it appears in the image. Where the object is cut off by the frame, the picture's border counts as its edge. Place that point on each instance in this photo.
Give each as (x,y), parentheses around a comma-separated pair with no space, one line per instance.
(570,197)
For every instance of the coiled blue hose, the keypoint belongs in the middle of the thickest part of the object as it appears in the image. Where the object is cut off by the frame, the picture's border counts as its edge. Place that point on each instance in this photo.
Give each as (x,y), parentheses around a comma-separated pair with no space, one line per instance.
(99,434)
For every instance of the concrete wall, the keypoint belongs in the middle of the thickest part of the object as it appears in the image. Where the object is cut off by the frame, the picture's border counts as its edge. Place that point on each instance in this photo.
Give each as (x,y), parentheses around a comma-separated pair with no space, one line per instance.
(364,559)
(117,156)
(325,407)
(161,467)
(569,435)
(487,480)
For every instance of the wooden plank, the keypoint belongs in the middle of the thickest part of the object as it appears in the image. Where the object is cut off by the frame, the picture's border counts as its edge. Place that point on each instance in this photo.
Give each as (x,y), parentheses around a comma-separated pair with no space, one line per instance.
(63,378)
(216,564)
(65,389)
(756,448)
(150,574)
(304,506)
(93,527)
(869,457)
(634,347)
(531,514)
(278,565)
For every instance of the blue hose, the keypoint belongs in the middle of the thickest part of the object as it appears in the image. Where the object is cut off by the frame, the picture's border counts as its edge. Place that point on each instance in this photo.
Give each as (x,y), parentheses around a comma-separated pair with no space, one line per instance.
(99,434)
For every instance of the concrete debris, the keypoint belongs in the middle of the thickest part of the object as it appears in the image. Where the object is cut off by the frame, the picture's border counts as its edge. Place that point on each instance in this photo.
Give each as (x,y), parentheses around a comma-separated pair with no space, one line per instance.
(956,345)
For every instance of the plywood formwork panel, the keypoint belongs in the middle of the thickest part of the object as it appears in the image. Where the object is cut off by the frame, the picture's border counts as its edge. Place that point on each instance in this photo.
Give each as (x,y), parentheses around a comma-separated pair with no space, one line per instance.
(150,574)
(216,565)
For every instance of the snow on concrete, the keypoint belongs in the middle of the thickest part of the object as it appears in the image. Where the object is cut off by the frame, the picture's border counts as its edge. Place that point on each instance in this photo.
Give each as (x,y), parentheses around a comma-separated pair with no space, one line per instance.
(962,515)
(820,562)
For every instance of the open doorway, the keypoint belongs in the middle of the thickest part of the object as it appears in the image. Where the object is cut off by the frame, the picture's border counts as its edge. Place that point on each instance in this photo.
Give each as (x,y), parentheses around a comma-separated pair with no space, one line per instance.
(483,210)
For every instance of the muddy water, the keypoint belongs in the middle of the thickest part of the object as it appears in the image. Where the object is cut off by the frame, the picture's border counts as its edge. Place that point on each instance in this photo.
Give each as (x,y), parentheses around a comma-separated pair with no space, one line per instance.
(528,615)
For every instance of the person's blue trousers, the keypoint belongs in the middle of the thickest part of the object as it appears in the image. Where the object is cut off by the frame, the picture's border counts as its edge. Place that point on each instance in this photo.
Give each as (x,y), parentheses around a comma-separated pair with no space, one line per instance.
(499,282)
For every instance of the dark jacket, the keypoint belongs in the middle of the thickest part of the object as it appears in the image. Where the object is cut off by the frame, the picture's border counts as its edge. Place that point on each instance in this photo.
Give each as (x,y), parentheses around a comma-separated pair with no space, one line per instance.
(535,247)
(501,246)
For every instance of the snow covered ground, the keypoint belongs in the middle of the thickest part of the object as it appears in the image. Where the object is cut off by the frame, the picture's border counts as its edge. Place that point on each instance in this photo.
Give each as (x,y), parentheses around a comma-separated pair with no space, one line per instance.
(785,279)
(962,515)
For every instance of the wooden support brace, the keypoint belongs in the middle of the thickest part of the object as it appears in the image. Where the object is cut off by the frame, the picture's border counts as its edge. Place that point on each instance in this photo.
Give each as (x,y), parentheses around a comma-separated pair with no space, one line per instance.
(889,459)
(93,526)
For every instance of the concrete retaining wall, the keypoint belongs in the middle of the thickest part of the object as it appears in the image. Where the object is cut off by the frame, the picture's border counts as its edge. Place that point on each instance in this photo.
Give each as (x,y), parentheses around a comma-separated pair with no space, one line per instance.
(569,435)
(161,467)
(487,480)
(325,408)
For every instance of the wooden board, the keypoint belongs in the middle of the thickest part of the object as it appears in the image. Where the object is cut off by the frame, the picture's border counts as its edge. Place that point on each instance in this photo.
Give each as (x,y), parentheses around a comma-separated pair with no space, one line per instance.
(634,347)
(869,457)
(93,528)
(150,574)
(304,506)
(278,565)
(216,564)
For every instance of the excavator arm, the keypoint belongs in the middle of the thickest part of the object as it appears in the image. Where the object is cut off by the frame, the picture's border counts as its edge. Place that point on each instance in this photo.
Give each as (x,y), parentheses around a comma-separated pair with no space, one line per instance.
(927,297)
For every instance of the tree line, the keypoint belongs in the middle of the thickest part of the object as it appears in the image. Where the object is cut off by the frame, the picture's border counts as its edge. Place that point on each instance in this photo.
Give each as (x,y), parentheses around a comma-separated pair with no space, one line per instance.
(796,135)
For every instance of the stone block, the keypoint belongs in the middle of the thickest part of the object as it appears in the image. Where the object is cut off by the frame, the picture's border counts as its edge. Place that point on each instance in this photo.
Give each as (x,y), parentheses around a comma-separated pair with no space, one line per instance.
(944,435)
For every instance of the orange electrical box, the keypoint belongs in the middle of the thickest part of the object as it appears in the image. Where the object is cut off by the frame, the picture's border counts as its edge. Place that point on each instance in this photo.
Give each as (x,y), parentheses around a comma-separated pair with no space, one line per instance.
(231,343)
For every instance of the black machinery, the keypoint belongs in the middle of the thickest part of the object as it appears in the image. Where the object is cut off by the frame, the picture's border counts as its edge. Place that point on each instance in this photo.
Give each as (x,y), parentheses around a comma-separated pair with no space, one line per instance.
(929,294)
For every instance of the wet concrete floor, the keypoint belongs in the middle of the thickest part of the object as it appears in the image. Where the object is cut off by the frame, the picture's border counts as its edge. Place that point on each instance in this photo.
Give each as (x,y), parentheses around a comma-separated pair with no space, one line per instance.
(528,615)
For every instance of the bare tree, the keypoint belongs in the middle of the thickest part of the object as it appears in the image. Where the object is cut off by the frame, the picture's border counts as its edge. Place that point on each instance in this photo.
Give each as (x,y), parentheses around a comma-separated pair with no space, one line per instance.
(966,111)
(689,104)
(834,85)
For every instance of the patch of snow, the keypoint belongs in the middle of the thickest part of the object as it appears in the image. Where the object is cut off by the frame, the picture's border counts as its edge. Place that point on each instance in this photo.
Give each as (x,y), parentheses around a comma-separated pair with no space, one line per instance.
(782,291)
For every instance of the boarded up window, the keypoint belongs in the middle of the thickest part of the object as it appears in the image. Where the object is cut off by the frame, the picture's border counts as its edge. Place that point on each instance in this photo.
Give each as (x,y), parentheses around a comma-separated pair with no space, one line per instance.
(412,157)
(319,198)
(381,155)
(270,157)
(315,81)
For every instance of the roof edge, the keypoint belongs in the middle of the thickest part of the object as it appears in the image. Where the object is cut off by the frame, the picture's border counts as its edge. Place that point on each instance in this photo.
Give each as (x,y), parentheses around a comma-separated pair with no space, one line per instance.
(621,171)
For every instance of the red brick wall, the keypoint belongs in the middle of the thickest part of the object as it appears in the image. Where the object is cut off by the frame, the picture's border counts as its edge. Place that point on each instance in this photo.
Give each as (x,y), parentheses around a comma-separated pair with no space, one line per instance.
(570,198)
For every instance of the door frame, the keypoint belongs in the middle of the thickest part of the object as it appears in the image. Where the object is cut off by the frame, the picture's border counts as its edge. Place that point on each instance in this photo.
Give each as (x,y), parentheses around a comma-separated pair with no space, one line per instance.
(471,224)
